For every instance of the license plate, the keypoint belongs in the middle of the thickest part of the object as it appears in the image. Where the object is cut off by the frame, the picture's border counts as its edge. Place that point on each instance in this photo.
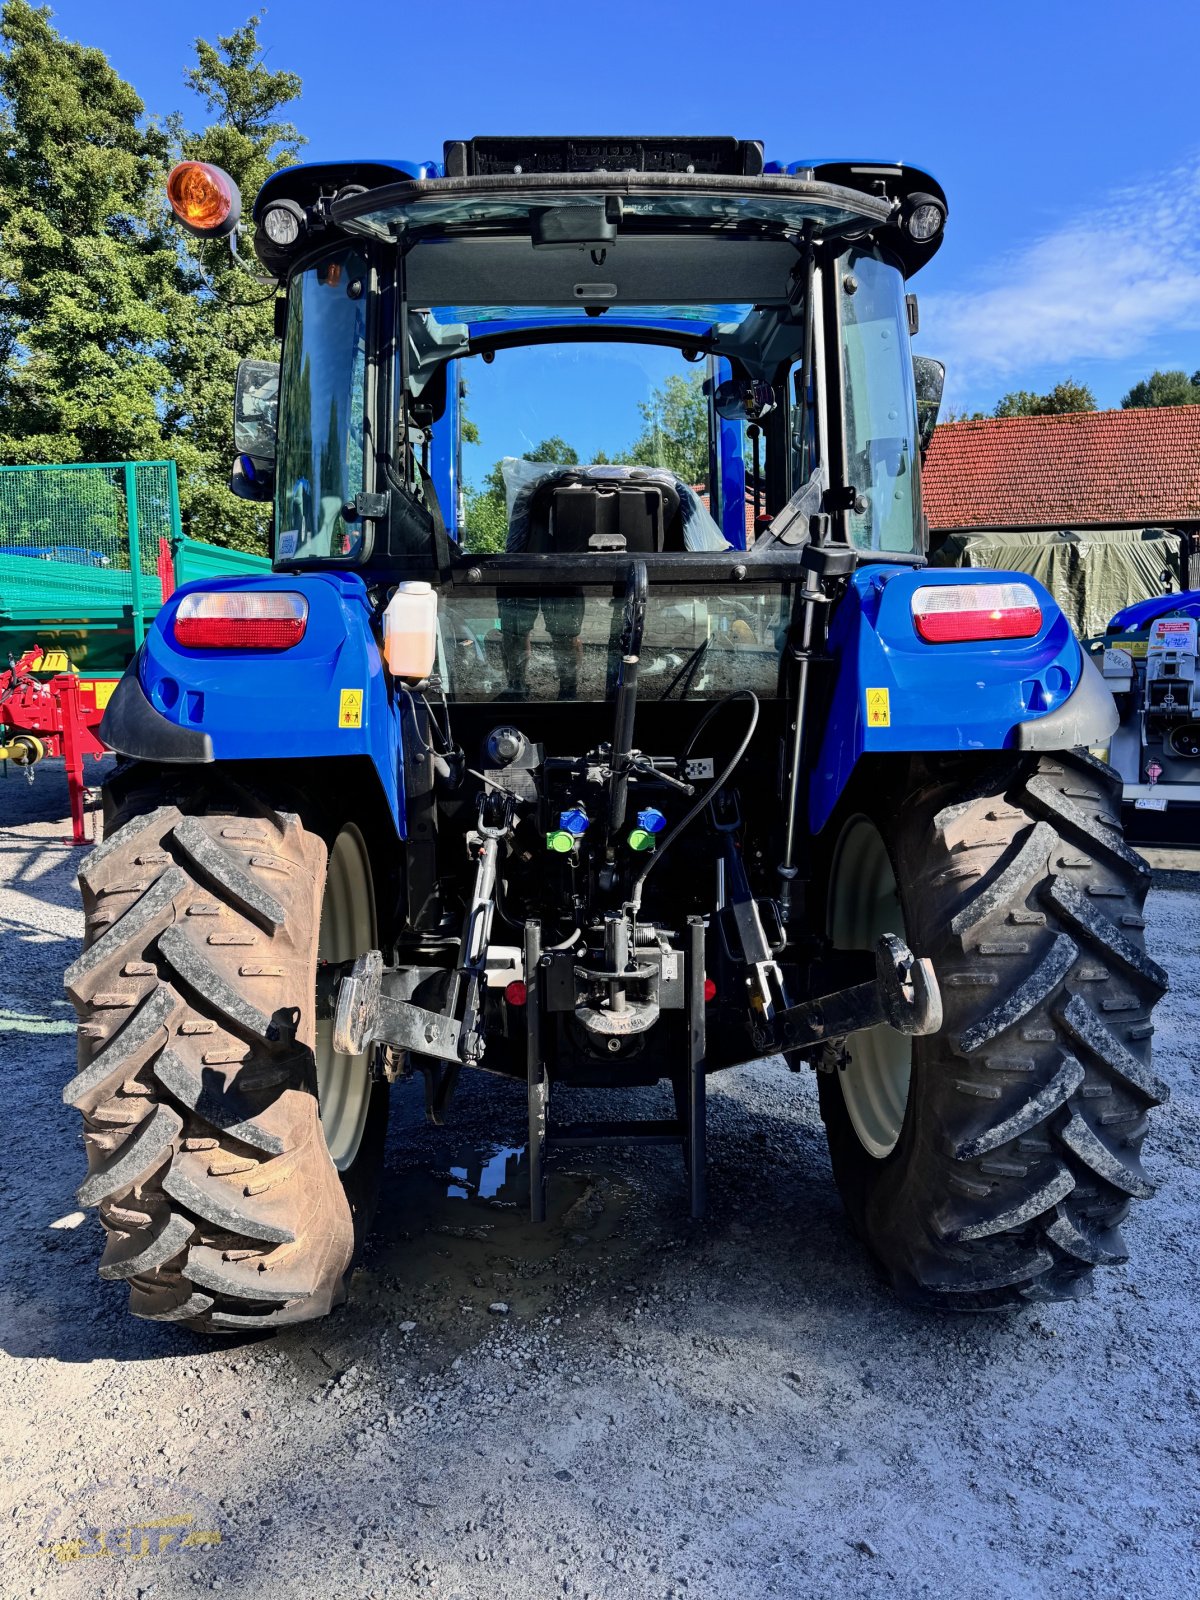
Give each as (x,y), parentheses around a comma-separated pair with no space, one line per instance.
(1151,802)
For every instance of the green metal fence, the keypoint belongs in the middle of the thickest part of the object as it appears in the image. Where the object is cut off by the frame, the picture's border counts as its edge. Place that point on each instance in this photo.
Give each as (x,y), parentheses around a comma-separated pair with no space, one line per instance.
(81,545)
(84,554)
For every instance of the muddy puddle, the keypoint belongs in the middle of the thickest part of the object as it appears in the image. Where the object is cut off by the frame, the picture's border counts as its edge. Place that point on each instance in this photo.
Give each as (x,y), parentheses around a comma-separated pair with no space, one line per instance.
(454,1251)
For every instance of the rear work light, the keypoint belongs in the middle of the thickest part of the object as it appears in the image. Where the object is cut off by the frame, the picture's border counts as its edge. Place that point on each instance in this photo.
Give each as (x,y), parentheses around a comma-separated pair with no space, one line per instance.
(241,621)
(949,613)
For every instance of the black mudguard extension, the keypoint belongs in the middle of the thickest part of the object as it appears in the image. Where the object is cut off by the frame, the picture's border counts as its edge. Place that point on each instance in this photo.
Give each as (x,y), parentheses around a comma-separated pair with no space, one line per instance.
(1087,716)
(132,727)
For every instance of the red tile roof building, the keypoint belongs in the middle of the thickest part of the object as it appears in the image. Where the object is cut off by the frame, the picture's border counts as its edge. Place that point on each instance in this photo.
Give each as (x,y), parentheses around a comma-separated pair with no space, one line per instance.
(702,495)
(1109,469)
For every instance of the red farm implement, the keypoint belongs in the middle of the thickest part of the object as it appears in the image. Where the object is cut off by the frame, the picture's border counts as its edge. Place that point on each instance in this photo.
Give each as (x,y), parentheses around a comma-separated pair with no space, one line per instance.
(52,716)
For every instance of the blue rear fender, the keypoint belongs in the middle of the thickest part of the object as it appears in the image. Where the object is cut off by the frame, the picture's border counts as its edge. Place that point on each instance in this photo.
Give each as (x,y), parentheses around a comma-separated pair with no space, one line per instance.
(895,693)
(327,697)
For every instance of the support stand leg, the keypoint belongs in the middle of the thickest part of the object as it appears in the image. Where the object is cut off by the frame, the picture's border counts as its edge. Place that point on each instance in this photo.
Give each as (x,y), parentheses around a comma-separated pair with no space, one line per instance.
(535,1068)
(695,1117)
(68,704)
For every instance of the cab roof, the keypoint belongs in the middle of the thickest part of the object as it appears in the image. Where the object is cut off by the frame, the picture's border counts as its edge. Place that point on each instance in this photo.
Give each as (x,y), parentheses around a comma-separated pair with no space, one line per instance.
(499,174)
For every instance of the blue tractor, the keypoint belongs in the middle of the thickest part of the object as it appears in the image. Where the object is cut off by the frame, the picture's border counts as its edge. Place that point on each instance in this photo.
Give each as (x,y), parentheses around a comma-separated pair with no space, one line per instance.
(654,749)
(1152,665)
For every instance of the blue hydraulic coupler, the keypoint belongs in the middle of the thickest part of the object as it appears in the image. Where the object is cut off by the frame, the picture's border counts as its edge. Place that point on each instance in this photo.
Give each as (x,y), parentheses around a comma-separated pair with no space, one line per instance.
(651,819)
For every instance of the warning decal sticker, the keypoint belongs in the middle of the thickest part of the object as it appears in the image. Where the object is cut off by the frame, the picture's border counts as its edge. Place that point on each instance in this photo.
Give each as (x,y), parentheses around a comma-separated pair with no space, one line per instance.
(350,709)
(879,710)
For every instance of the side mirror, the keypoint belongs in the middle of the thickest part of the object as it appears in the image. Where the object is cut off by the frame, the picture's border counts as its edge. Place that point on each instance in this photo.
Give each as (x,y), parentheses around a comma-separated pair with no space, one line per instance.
(256,409)
(251,479)
(743,401)
(930,376)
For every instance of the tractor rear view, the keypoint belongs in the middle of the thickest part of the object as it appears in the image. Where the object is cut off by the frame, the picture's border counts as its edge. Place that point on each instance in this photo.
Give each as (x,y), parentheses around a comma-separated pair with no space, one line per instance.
(656,751)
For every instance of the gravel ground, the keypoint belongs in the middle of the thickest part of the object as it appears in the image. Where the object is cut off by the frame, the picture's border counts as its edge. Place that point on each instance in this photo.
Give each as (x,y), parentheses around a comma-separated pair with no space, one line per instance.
(622,1404)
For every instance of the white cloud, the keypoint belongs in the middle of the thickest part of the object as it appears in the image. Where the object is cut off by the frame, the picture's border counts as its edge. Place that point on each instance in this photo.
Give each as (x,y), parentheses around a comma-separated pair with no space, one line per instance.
(1101,287)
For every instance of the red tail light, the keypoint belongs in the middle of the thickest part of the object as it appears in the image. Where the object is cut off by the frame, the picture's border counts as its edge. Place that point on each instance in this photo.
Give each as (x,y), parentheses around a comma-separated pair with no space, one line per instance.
(241,620)
(516,993)
(949,613)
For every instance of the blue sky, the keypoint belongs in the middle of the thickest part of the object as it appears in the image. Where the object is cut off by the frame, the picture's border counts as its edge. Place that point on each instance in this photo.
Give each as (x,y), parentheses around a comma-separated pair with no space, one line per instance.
(587,394)
(1064,132)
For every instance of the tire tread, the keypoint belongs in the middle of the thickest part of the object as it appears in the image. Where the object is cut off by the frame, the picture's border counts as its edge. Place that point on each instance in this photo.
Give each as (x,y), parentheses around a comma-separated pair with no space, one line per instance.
(200,1116)
(1033,1110)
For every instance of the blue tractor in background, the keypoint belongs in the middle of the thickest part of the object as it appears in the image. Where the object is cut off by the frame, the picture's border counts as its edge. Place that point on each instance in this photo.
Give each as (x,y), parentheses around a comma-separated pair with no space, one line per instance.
(653,750)
(1151,662)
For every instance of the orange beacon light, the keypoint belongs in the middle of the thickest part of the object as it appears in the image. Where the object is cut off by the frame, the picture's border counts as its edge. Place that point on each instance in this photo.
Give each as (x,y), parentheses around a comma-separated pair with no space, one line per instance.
(204,199)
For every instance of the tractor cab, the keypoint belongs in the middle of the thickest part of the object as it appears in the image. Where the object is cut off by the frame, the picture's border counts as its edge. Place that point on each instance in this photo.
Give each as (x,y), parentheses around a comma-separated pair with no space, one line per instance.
(738,333)
(527,374)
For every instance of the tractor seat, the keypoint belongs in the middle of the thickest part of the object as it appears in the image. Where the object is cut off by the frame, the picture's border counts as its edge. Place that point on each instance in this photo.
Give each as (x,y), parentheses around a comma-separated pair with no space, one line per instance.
(598,511)
(657,500)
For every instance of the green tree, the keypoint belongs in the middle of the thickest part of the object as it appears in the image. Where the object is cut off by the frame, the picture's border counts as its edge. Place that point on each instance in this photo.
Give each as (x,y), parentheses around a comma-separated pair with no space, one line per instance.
(331,453)
(1064,397)
(487,508)
(120,335)
(486,516)
(555,449)
(1019,403)
(675,435)
(229,314)
(88,272)
(1164,389)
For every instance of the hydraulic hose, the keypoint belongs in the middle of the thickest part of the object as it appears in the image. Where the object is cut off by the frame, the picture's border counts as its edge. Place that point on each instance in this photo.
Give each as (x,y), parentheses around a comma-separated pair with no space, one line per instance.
(689,816)
(632,627)
(519,927)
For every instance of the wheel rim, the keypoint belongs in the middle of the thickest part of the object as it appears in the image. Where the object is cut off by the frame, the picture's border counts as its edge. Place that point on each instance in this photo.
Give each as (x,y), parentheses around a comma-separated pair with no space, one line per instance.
(865,902)
(347,930)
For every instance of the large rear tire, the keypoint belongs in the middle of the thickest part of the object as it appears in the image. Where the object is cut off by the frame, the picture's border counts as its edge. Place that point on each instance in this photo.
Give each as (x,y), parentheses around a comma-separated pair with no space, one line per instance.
(993,1163)
(200,1062)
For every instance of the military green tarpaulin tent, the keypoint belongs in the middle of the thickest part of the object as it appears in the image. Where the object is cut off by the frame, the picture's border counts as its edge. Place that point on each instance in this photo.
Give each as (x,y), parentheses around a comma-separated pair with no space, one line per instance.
(1091,574)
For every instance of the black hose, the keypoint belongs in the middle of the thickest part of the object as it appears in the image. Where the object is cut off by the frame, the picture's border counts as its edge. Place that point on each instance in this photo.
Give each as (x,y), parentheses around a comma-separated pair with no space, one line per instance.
(423,741)
(689,816)
(519,927)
